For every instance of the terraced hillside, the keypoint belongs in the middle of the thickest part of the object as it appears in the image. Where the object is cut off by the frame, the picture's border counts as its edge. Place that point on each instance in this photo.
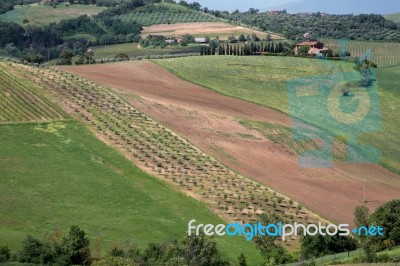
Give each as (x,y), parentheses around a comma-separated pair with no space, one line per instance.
(20,102)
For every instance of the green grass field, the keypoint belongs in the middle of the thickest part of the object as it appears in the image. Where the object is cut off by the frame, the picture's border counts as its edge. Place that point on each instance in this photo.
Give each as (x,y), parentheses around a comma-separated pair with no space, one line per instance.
(394,17)
(39,14)
(262,80)
(132,50)
(58,174)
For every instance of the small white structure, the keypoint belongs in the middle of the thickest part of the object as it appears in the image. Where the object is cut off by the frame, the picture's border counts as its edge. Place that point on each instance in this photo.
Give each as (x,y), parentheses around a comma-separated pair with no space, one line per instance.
(200,40)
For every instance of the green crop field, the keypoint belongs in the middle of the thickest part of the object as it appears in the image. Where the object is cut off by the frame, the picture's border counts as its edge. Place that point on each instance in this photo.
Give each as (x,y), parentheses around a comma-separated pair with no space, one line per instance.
(39,14)
(57,174)
(169,14)
(263,79)
(384,53)
(132,50)
(20,102)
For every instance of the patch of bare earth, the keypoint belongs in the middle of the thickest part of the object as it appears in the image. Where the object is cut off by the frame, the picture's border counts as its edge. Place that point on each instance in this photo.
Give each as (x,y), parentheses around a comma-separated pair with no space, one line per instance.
(210,121)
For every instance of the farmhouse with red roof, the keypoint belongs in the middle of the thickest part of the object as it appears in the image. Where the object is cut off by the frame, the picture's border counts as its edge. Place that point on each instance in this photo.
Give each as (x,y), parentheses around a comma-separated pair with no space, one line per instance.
(316,47)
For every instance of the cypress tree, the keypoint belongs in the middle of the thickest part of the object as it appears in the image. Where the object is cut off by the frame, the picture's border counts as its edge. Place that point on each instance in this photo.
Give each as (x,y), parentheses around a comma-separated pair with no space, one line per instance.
(280,47)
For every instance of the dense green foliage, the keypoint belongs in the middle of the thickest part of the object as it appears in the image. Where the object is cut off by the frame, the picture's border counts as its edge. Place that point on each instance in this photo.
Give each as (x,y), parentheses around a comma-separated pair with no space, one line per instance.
(317,246)
(293,26)
(8,5)
(132,50)
(121,23)
(250,48)
(72,249)
(191,250)
(4,254)
(48,41)
(272,252)
(388,217)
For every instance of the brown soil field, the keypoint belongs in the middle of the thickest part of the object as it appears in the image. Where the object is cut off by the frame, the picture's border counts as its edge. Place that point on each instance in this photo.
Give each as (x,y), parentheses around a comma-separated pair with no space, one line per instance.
(221,29)
(210,121)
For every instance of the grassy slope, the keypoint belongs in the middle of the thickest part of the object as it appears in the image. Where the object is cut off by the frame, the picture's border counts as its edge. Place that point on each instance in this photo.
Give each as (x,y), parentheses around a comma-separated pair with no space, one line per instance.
(256,79)
(131,49)
(394,17)
(262,80)
(58,174)
(39,14)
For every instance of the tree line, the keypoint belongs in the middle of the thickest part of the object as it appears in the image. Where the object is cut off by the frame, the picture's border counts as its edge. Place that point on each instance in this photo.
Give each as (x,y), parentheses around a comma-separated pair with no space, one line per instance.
(371,27)
(36,44)
(74,248)
(245,49)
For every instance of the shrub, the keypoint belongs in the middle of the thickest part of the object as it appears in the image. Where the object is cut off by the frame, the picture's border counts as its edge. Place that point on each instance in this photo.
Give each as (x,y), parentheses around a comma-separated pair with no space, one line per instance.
(4,254)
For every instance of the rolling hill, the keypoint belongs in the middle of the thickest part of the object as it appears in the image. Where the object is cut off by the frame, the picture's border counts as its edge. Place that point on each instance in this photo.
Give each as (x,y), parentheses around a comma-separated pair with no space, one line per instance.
(57,174)
(40,14)
(395,17)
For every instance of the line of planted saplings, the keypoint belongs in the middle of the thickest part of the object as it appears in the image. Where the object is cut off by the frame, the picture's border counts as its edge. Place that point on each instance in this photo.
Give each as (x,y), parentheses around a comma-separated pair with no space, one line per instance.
(21,104)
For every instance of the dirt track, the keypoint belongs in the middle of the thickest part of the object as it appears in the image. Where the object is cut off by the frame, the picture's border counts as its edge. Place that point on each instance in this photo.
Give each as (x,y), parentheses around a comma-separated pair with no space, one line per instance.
(209,120)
